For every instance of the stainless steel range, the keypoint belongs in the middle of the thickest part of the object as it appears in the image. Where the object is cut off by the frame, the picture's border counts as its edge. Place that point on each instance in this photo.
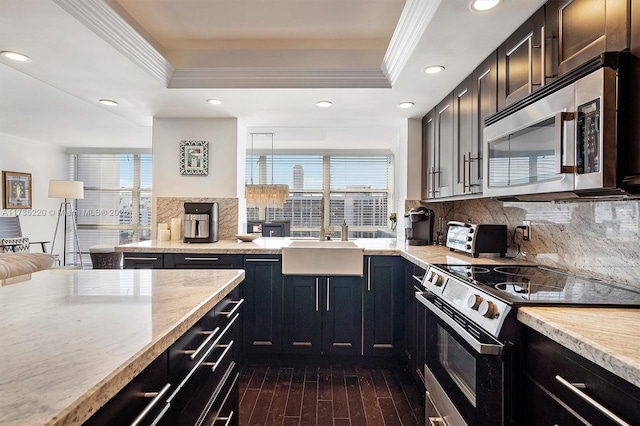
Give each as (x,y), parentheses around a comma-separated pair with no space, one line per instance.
(471,372)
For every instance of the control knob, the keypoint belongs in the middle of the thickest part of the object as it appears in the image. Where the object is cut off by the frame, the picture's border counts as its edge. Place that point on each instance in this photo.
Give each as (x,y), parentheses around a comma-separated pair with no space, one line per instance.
(436,279)
(488,309)
(474,301)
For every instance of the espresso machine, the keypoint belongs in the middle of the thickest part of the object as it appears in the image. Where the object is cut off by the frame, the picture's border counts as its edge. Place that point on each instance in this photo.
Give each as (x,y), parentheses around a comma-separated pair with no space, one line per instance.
(200,223)
(418,226)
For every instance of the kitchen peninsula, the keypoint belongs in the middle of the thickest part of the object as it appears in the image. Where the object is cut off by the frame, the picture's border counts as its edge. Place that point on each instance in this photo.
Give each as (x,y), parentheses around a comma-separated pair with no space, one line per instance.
(73,338)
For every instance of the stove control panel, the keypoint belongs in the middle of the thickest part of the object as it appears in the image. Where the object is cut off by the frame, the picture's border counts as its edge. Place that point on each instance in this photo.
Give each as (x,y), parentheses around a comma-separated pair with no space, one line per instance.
(475,305)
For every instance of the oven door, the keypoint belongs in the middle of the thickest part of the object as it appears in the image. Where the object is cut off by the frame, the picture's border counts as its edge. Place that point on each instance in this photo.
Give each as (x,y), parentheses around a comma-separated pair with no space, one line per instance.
(467,373)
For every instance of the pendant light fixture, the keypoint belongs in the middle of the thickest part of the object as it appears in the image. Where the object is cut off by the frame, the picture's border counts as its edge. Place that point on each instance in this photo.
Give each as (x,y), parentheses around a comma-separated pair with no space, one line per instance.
(263,194)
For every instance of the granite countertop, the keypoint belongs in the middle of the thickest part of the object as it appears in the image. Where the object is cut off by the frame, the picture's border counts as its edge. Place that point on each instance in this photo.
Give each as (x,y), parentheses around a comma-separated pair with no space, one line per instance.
(73,338)
(608,337)
(420,255)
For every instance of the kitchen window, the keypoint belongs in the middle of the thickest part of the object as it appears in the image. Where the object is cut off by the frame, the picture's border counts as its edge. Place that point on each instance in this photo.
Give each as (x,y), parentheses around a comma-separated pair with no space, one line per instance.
(352,188)
(116,208)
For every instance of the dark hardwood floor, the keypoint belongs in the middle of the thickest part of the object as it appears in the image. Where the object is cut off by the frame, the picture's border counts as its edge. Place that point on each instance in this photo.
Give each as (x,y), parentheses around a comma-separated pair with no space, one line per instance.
(331,396)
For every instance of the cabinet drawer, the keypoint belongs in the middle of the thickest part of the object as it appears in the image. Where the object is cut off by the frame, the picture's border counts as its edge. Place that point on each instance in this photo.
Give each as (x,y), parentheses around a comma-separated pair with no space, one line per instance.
(548,363)
(192,395)
(149,389)
(203,261)
(143,261)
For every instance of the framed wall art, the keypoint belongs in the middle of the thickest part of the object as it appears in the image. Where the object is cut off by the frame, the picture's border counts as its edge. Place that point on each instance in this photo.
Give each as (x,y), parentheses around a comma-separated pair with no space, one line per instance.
(16,190)
(194,157)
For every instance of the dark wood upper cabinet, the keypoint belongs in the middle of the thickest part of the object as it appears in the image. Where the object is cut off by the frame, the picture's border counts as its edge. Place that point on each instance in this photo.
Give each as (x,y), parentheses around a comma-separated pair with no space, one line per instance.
(582,29)
(521,61)
(485,104)
(428,157)
(463,136)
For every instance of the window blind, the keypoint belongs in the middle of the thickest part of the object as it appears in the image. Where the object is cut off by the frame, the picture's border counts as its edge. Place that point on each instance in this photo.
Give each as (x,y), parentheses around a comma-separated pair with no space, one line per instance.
(116,208)
(358,189)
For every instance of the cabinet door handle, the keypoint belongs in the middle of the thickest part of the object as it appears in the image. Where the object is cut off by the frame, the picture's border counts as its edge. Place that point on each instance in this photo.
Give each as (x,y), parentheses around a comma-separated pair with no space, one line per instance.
(153,259)
(543,58)
(157,397)
(369,274)
(464,172)
(262,260)
(212,259)
(317,302)
(328,295)
(235,308)
(575,388)
(193,354)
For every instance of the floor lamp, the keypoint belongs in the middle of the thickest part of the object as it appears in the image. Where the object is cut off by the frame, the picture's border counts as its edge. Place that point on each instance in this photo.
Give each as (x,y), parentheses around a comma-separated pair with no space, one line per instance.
(69,190)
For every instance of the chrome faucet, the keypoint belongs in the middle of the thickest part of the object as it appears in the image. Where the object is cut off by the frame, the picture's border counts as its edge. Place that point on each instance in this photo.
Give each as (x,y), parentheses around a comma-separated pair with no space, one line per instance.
(324,233)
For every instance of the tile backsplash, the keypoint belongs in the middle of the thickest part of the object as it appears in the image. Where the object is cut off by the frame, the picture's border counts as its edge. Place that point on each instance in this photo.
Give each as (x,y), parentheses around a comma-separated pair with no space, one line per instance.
(596,238)
(168,208)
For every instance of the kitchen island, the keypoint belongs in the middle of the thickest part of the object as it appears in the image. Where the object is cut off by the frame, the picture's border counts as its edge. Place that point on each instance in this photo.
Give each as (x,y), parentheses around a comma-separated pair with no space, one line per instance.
(73,338)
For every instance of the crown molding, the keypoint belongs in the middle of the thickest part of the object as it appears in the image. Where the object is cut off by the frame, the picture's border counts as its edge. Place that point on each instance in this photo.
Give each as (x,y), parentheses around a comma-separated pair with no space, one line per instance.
(413,22)
(99,17)
(279,77)
(111,27)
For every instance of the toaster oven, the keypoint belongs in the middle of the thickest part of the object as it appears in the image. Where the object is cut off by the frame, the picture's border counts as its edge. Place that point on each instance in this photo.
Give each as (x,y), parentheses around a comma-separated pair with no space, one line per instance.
(477,238)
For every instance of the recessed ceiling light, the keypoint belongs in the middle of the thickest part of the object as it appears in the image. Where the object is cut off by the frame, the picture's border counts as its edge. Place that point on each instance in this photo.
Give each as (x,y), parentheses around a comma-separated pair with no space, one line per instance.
(324,104)
(405,105)
(108,102)
(15,56)
(433,69)
(214,101)
(482,5)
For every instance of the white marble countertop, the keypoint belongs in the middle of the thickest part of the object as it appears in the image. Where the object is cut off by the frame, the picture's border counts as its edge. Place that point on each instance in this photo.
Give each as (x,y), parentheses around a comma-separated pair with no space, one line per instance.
(608,337)
(71,339)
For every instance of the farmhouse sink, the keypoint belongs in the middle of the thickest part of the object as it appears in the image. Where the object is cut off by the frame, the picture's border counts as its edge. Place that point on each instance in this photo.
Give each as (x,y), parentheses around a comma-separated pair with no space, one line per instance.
(312,257)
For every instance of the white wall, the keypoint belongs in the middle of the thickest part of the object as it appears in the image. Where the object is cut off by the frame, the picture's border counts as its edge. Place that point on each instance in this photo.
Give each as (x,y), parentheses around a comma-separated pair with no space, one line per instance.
(408,166)
(44,161)
(222,135)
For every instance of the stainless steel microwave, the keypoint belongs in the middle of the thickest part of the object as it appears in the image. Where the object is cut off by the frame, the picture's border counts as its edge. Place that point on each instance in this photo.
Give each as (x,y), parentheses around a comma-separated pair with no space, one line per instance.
(565,142)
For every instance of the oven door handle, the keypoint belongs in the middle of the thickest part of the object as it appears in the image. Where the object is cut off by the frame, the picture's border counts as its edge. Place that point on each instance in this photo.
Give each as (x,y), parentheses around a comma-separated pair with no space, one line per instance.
(479,347)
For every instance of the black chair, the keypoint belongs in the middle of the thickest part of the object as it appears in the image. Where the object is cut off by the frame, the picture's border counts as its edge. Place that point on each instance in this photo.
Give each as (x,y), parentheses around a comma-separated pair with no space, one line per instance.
(10,229)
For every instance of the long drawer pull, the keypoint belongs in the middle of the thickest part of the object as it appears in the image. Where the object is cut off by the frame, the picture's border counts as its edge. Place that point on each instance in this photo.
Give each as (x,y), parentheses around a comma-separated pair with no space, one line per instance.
(161,415)
(262,260)
(194,353)
(574,387)
(417,278)
(213,259)
(216,393)
(141,258)
(206,354)
(157,397)
(228,419)
(215,365)
(235,308)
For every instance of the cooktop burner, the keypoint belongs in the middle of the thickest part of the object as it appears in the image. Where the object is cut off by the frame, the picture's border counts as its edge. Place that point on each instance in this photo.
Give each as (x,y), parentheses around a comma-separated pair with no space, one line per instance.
(542,285)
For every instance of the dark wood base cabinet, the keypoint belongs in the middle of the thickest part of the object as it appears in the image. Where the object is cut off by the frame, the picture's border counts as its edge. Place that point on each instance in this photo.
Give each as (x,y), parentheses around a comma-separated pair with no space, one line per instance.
(563,388)
(194,382)
(322,315)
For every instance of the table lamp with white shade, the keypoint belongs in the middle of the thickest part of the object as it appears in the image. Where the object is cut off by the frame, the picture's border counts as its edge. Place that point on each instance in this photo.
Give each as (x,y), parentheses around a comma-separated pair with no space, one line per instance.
(68,190)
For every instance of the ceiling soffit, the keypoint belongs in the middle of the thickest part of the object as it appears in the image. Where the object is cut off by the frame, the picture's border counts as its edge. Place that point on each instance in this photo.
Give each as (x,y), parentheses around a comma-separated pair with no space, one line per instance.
(341,68)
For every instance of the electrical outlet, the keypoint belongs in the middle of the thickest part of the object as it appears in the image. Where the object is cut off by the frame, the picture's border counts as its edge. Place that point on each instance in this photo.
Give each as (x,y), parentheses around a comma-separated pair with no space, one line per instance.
(526,232)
